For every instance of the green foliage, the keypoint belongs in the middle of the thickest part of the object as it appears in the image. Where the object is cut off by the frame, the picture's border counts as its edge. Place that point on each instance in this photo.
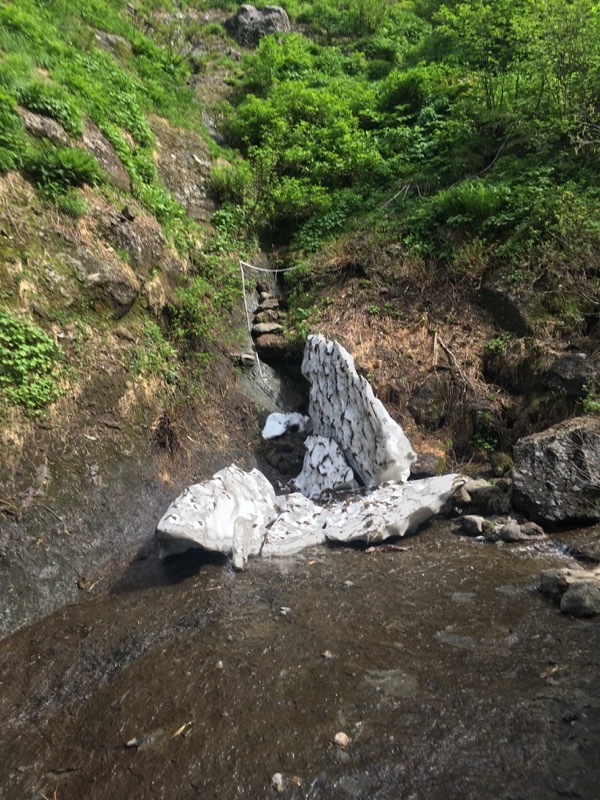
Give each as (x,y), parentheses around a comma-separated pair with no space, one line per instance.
(198,315)
(72,203)
(56,170)
(155,355)
(12,136)
(499,344)
(51,101)
(29,364)
(51,63)
(485,445)
(590,402)
(459,128)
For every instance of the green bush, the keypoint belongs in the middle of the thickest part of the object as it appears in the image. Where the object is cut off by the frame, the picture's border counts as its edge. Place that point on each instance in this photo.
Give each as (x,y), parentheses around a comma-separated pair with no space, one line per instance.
(57,169)
(52,101)
(29,364)
(12,135)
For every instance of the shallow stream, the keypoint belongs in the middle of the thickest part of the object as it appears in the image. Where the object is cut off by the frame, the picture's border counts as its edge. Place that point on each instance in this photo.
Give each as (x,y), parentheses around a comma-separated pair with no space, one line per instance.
(451,676)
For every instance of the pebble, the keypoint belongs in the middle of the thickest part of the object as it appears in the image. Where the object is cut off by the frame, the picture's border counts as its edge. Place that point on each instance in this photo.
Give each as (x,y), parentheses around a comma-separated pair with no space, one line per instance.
(277,782)
(342,740)
(327,654)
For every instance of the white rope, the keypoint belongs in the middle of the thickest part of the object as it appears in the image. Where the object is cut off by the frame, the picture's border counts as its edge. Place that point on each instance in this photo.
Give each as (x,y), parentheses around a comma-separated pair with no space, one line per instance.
(275,271)
(246,309)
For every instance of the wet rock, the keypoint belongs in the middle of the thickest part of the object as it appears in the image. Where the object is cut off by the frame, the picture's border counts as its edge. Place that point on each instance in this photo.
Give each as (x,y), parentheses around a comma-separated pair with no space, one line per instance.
(501,464)
(582,599)
(44,127)
(554,583)
(485,422)
(277,782)
(570,373)
(266,316)
(556,477)
(274,350)
(250,24)
(267,303)
(488,498)
(511,532)
(341,740)
(343,408)
(113,43)
(98,145)
(581,585)
(286,454)
(265,328)
(532,529)
(427,465)
(507,308)
(428,404)
(472,524)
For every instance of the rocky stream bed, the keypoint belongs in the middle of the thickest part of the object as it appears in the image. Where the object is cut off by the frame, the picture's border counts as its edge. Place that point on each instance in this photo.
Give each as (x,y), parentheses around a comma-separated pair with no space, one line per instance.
(450,675)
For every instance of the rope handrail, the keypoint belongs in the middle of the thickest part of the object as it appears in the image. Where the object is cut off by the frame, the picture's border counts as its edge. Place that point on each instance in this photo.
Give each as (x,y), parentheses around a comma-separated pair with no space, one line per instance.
(246,309)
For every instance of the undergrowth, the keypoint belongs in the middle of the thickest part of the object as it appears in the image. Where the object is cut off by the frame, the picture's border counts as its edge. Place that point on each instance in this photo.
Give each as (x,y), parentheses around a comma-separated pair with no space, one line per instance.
(30,361)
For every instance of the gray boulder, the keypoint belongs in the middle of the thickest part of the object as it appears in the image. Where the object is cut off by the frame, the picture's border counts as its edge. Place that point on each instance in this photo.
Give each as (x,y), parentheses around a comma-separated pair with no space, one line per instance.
(472,524)
(250,24)
(577,590)
(581,600)
(556,475)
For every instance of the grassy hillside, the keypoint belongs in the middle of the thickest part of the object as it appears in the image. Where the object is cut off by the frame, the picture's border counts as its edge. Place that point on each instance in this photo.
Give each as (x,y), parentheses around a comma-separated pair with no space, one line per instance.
(467,133)
(107,66)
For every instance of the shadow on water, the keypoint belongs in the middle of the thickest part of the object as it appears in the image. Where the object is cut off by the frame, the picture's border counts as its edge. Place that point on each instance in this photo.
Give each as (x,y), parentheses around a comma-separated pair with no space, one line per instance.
(146,570)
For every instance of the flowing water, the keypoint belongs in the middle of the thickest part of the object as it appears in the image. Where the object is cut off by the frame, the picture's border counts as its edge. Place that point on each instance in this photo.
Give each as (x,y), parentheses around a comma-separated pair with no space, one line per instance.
(451,676)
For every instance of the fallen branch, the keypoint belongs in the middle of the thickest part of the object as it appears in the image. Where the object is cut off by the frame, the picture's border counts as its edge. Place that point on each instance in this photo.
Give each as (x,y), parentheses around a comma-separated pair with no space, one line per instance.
(454,362)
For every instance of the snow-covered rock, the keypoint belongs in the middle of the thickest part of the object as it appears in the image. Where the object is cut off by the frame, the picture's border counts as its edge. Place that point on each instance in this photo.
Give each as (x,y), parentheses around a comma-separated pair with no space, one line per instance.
(238,514)
(324,468)
(390,510)
(206,514)
(278,424)
(344,408)
(355,441)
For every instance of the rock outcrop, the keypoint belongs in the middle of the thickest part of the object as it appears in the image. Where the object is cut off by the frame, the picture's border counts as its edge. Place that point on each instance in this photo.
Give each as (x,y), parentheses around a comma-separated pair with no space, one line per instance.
(250,24)
(556,475)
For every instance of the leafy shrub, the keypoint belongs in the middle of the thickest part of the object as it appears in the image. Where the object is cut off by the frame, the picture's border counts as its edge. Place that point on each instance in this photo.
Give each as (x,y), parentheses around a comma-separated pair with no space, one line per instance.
(29,364)
(72,204)
(57,169)
(232,182)
(52,101)
(12,136)
(157,356)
